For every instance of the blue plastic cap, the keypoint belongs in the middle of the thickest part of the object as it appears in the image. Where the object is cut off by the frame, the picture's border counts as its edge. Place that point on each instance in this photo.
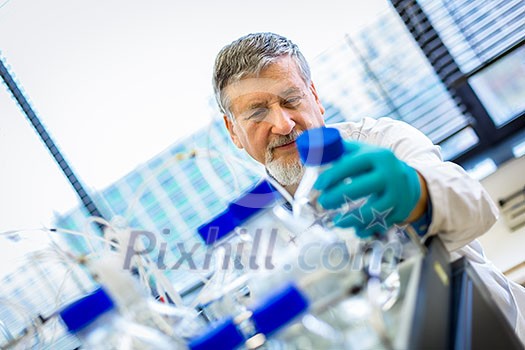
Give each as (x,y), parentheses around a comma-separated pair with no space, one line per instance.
(279,309)
(263,195)
(84,311)
(250,203)
(224,336)
(320,146)
(219,227)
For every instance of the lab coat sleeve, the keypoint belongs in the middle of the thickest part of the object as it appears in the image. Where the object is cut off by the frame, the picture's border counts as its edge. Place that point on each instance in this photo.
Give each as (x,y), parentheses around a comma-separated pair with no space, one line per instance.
(461,208)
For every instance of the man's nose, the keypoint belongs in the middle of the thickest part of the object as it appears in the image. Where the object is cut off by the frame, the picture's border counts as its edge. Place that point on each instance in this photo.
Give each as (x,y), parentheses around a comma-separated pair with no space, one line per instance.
(282,121)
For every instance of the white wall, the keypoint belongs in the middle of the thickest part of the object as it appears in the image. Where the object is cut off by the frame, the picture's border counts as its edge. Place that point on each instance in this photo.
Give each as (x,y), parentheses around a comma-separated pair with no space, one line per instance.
(116,82)
(506,248)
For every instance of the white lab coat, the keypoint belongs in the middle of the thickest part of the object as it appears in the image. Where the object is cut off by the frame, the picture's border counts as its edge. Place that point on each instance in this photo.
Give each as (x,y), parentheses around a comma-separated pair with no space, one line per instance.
(461,209)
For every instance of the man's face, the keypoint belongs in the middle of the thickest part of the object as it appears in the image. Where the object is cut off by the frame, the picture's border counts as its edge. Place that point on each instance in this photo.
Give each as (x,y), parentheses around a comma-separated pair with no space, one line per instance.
(270,111)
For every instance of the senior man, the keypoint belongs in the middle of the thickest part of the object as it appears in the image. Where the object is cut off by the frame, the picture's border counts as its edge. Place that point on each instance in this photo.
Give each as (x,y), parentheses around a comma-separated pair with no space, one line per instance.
(264,89)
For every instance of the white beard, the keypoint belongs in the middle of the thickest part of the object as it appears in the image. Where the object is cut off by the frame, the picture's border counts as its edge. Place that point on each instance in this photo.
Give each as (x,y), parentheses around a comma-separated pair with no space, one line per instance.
(286,173)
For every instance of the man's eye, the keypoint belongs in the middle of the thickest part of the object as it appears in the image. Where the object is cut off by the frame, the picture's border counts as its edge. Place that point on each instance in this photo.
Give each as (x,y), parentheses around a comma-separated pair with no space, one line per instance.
(292,101)
(257,114)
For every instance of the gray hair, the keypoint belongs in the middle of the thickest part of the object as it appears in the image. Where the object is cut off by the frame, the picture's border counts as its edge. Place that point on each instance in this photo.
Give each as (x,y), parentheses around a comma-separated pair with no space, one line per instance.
(249,55)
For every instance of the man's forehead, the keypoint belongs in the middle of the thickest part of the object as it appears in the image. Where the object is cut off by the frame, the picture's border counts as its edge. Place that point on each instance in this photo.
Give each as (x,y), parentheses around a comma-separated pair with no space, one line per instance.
(245,90)
(259,85)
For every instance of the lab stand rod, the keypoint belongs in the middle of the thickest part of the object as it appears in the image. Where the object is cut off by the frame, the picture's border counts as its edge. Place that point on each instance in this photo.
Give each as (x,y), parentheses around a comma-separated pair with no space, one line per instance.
(48,141)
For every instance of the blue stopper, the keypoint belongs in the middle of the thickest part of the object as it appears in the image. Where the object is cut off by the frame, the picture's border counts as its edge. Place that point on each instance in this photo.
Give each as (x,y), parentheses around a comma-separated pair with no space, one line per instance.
(242,209)
(320,146)
(224,336)
(217,228)
(279,309)
(84,311)
(263,195)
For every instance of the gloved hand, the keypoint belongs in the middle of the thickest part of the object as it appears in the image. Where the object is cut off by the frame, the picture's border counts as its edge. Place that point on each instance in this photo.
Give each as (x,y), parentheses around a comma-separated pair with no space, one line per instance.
(379,189)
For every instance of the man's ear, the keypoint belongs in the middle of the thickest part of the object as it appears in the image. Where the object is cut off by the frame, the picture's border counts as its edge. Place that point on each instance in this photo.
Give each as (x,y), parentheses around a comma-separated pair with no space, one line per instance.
(317,100)
(231,129)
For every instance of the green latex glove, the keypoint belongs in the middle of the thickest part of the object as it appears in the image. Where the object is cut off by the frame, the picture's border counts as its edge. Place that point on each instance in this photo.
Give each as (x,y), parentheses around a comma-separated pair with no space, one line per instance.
(372,186)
